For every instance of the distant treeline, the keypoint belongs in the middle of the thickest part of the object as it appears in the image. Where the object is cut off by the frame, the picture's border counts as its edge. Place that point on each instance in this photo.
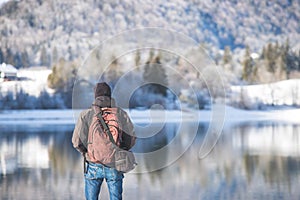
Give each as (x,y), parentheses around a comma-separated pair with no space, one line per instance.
(22,100)
(275,62)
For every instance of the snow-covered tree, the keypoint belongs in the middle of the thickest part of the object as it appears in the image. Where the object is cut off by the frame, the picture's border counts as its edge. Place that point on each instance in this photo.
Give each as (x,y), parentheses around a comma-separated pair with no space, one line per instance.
(62,79)
(113,72)
(155,74)
(137,58)
(227,59)
(249,69)
(44,59)
(25,59)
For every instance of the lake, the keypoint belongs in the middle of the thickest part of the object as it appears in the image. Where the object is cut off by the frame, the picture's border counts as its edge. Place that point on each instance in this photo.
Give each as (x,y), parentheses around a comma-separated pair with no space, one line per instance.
(257,160)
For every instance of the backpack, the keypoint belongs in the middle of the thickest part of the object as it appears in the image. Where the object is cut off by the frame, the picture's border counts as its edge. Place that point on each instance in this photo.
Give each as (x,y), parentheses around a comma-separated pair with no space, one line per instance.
(103,145)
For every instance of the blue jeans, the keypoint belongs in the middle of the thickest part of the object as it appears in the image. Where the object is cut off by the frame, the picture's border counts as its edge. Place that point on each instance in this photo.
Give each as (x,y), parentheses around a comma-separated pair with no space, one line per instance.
(94,176)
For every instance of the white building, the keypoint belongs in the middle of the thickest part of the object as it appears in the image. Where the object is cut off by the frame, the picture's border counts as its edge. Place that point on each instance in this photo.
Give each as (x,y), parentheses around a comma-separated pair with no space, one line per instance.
(8,71)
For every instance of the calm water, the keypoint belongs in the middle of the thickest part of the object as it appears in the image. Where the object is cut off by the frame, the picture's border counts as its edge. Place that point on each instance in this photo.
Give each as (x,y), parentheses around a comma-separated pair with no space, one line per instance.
(250,161)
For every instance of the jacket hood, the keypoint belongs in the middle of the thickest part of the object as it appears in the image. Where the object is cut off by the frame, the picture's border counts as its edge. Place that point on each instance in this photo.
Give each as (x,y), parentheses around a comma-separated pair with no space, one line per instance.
(102,89)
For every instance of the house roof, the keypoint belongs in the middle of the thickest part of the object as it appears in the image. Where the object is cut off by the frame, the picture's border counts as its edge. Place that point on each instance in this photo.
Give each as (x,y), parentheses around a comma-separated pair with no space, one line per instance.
(7,68)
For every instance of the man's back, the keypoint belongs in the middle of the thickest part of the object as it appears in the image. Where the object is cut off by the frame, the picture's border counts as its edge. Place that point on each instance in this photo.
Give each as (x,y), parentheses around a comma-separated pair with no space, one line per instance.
(96,170)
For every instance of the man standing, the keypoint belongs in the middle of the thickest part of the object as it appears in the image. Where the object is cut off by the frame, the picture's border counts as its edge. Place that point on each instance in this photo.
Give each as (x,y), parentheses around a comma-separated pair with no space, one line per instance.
(96,172)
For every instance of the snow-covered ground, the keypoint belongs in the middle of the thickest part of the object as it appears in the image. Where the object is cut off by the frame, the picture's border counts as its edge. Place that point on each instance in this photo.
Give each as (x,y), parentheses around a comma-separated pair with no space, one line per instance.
(232,115)
(32,81)
(285,92)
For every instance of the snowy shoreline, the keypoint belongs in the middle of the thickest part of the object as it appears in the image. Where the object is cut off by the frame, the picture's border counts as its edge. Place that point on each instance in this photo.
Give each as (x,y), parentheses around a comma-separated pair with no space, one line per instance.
(232,115)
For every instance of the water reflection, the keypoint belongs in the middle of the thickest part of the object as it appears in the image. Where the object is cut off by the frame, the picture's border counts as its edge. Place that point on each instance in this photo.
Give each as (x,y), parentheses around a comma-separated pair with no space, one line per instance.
(250,161)
(269,139)
(38,163)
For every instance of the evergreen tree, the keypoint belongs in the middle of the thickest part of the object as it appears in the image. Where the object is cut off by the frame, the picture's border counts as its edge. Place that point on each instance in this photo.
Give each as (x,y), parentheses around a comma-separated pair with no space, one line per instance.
(151,55)
(270,58)
(298,62)
(44,60)
(25,59)
(91,68)
(1,56)
(291,60)
(21,99)
(137,58)
(113,72)
(227,58)
(70,53)
(248,65)
(54,56)
(8,101)
(264,53)
(9,57)
(284,66)
(18,60)
(279,61)
(156,75)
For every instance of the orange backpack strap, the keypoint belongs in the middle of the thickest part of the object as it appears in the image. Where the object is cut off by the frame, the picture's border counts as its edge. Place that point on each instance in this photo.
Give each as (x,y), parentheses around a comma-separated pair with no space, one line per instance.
(98,112)
(106,129)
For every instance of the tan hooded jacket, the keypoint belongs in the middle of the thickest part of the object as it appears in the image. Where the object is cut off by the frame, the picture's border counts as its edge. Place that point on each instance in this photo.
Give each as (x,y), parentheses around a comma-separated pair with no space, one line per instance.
(80,133)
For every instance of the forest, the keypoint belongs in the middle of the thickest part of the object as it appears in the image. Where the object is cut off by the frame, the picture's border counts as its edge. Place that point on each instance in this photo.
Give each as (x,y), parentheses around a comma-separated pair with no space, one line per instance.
(250,42)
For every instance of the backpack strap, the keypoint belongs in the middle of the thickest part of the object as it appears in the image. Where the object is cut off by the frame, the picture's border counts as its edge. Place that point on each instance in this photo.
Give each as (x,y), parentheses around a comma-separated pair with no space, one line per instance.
(106,129)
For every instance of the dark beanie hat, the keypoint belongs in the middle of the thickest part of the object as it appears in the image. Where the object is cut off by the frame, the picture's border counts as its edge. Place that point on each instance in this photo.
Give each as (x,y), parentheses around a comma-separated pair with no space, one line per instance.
(102,89)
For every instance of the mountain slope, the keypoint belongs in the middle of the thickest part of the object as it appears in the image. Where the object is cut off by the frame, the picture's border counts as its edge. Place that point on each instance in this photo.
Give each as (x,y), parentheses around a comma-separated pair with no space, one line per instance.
(71,28)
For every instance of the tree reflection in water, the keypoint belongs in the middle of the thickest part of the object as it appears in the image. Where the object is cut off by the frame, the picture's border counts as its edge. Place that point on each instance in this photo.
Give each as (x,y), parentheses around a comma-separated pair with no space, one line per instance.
(250,161)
